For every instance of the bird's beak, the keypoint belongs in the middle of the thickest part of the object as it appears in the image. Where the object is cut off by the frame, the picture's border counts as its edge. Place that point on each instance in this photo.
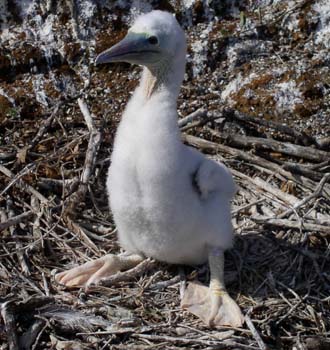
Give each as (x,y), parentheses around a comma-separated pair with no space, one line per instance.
(134,48)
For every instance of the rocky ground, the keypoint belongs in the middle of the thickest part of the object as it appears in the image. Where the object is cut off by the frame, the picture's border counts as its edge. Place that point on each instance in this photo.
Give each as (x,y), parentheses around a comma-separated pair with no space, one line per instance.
(258,73)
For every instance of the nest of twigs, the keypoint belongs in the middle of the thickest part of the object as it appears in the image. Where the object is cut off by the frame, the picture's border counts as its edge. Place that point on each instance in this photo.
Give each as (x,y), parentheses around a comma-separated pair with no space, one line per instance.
(54,215)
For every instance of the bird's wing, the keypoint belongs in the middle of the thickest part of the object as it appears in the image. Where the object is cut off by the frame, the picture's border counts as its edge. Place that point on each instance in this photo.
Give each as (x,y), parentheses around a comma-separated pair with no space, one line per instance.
(211,176)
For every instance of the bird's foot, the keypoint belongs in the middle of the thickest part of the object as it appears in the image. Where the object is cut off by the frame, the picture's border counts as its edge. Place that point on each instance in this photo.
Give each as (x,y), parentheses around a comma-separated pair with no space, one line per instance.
(213,307)
(92,272)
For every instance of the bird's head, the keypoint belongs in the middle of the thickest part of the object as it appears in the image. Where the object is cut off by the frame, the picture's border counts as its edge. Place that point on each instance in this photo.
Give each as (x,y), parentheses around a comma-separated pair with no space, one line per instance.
(154,38)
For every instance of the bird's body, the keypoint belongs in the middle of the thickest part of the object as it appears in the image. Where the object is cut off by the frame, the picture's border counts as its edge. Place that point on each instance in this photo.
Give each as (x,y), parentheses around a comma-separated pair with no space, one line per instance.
(154,187)
(169,201)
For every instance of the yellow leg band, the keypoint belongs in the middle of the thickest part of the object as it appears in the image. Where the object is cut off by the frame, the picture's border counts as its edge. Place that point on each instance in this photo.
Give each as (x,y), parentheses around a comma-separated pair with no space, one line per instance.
(219,292)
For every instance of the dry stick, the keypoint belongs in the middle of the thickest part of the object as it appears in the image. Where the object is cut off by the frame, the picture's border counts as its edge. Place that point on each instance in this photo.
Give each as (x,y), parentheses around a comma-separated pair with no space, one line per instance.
(199,122)
(302,170)
(16,220)
(315,194)
(259,143)
(247,206)
(222,335)
(199,113)
(254,332)
(5,156)
(181,340)
(284,223)
(276,201)
(164,284)
(285,197)
(268,123)
(23,185)
(18,244)
(10,325)
(93,144)
(91,154)
(36,231)
(319,165)
(281,319)
(45,126)
(128,275)
(292,200)
(43,129)
(75,227)
(15,177)
(208,145)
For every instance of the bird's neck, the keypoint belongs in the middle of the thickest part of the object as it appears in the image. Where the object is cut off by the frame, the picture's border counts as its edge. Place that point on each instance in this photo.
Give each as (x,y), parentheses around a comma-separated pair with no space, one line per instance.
(166,76)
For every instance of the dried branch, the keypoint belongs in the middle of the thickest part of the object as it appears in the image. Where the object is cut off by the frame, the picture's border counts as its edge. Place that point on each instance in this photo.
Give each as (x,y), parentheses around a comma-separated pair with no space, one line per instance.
(16,220)
(200,113)
(283,223)
(90,159)
(282,128)
(23,185)
(258,143)
(315,194)
(254,332)
(206,145)
(129,275)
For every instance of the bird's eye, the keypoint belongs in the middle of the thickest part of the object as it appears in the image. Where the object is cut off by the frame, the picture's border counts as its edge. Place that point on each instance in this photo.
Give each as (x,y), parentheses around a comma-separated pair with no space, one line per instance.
(153,40)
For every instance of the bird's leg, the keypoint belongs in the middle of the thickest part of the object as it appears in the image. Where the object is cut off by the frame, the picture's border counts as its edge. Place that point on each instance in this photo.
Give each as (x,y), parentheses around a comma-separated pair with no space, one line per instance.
(94,271)
(223,309)
(213,305)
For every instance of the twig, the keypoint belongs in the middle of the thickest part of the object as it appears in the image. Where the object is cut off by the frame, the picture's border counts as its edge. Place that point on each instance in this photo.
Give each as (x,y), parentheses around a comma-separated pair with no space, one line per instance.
(302,170)
(75,227)
(164,284)
(319,165)
(315,194)
(212,146)
(200,113)
(5,156)
(270,124)
(254,332)
(200,122)
(128,275)
(182,340)
(247,206)
(284,223)
(23,185)
(18,244)
(16,220)
(45,125)
(90,159)
(21,154)
(35,205)
(287,148)
(285,197)
(281,319)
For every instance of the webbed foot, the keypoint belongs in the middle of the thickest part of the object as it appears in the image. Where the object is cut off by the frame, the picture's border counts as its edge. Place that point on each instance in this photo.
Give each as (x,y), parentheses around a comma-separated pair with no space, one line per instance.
(213,307)
(92,272)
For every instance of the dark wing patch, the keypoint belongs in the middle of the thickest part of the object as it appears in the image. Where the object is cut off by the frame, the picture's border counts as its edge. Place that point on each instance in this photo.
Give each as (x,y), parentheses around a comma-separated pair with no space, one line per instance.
(194,182)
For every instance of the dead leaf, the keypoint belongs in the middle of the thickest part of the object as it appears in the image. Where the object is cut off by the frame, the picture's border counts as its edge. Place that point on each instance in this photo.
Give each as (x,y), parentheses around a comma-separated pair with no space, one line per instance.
(67,345)
(21,155)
